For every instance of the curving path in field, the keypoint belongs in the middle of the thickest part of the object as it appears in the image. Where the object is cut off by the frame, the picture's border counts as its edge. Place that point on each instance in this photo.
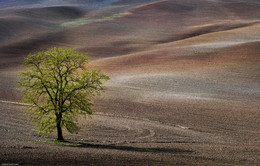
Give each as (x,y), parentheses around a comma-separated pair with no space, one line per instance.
(105,128)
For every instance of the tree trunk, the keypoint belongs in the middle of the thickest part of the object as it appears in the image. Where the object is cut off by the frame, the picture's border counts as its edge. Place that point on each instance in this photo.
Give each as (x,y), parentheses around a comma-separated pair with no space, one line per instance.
(59,129)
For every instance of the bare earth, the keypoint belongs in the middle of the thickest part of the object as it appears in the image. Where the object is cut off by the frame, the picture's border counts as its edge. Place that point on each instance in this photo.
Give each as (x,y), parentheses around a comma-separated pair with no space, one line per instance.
(184,88)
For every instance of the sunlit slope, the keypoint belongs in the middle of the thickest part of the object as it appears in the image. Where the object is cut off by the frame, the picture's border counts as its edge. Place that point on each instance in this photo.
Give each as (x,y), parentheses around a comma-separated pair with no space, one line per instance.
(237,45)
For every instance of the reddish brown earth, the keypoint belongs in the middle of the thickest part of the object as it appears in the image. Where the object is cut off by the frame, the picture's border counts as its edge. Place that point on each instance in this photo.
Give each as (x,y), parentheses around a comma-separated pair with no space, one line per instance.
(184,86)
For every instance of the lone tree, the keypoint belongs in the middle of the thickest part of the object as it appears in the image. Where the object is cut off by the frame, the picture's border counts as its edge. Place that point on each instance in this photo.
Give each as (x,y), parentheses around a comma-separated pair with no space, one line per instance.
(59,88)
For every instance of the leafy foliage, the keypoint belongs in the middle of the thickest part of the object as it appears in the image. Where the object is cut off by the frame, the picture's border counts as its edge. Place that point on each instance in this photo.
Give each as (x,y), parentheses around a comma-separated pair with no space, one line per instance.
(59,88)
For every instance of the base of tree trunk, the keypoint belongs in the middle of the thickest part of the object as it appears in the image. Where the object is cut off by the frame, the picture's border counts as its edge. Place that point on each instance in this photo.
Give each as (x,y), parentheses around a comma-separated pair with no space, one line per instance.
(60,140)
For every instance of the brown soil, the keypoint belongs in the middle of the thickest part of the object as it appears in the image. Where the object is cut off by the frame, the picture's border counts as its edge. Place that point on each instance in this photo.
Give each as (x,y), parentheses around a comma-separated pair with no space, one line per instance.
(184,86)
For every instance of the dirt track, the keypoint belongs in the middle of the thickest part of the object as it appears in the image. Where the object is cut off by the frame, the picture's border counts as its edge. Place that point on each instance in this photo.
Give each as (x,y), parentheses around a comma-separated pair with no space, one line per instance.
(182,92)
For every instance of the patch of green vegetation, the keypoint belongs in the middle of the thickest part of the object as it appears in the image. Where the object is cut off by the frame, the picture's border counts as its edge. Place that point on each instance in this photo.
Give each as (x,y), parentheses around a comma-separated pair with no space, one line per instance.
(207,52)
(49,141)
(89,21)
(37,140)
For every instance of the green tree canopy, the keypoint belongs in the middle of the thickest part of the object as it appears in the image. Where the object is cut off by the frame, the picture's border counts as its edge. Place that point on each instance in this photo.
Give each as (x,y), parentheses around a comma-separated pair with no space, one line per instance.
(59,88)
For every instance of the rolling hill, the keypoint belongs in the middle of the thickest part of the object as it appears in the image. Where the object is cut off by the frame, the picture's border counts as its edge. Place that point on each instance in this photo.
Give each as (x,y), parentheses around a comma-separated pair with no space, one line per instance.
(184,86)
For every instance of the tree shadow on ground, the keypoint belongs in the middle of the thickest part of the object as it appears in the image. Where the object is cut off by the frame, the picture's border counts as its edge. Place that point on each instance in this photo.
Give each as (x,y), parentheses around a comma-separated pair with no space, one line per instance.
(127,148)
